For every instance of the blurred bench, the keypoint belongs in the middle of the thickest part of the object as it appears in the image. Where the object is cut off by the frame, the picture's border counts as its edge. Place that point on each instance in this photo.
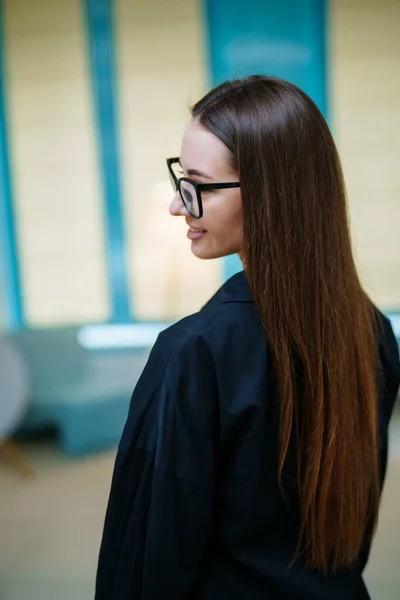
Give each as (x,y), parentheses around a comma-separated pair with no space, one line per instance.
(84,392)
(81,379)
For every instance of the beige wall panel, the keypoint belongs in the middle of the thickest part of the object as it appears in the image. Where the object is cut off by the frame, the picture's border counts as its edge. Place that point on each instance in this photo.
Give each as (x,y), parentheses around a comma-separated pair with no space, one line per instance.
(56,180)
(366,122)
(162,71)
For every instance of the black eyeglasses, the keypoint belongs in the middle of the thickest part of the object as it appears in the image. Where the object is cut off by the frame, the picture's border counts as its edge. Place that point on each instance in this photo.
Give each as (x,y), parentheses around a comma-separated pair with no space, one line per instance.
(190,191)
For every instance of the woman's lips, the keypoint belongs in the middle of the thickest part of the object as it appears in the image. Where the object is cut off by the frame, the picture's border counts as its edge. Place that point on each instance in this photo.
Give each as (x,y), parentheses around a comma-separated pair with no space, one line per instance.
(195,234)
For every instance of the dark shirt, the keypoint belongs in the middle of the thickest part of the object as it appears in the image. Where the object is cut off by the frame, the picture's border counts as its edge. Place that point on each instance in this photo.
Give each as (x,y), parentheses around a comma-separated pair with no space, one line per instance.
(195,510)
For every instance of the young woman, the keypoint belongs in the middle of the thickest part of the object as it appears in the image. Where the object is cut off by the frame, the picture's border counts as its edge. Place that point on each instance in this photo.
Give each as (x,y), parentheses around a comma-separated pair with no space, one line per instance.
(254,453)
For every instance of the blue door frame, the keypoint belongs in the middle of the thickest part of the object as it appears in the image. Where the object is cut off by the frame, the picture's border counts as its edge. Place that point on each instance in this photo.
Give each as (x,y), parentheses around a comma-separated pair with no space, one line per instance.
(9,265)
(100,26)
(285,39)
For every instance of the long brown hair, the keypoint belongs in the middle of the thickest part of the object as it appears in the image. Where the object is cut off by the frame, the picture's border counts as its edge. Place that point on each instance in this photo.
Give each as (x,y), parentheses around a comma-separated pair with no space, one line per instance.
(318,320)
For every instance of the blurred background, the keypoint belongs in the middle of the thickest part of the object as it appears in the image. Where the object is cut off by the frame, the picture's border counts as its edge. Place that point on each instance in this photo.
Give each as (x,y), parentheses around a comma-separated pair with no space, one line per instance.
(94,96)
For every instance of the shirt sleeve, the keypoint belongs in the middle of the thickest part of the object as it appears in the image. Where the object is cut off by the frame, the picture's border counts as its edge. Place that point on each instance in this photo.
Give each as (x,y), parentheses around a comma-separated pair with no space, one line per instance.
(161,500)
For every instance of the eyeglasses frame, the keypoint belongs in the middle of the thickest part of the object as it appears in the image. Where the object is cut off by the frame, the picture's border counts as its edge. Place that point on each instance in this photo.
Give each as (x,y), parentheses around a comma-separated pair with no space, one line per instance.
(199,187)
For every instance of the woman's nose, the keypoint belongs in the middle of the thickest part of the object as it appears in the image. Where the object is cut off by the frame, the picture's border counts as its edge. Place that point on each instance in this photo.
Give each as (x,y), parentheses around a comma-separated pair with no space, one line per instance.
(177,208)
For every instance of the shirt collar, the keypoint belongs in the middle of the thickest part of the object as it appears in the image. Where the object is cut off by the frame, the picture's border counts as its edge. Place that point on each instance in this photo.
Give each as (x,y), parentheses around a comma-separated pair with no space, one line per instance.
(236,289)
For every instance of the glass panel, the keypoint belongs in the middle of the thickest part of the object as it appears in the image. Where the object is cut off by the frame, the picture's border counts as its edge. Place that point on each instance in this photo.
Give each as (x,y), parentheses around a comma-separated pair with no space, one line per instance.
(366,113)
(56,183)
(158,81)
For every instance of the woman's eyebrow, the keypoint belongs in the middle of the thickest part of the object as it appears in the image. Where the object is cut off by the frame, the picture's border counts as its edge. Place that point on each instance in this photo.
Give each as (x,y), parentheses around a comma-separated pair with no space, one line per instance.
(196,173)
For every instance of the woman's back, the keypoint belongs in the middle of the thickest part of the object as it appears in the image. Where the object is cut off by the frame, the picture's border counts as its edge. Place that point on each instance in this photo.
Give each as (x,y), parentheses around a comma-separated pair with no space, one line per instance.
(196,509)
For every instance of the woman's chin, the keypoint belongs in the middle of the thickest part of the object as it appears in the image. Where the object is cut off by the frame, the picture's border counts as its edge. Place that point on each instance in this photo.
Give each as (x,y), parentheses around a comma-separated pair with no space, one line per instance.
(201,251)
(204,255)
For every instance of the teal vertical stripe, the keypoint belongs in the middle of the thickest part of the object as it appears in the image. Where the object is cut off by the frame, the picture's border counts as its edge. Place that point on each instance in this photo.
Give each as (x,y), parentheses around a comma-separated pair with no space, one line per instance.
(101,41)
(9,266)
(285,39)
